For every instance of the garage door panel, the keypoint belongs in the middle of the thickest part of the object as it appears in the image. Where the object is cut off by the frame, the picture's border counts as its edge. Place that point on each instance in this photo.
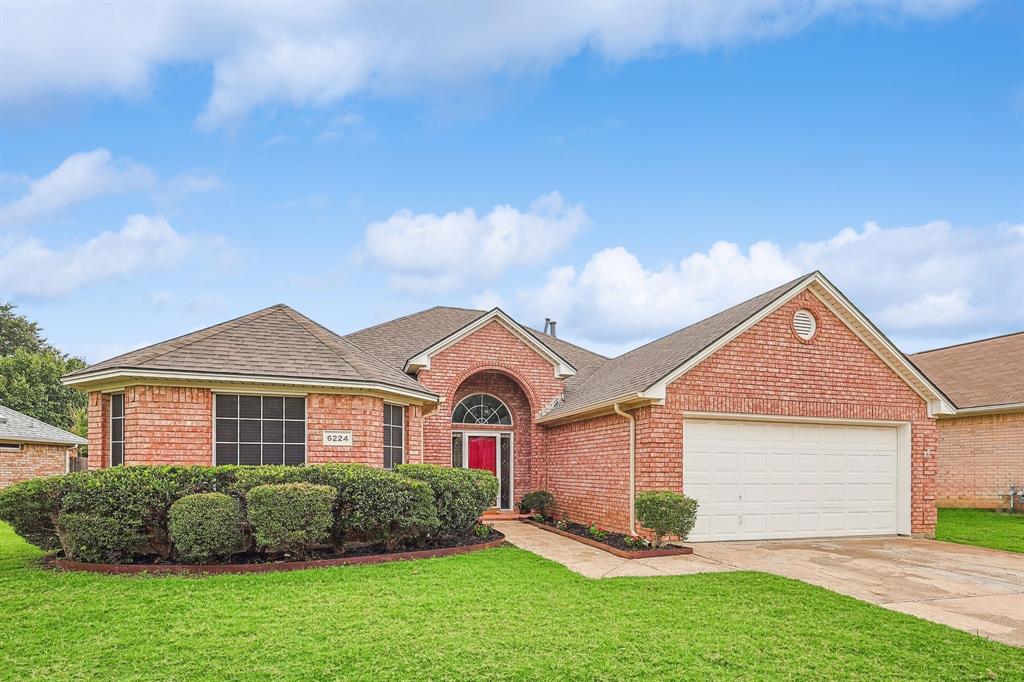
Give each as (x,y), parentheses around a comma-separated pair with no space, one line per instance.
(759,480)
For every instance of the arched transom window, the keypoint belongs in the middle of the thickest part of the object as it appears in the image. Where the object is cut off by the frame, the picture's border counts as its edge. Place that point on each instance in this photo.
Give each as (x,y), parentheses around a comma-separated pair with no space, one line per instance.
(481,408)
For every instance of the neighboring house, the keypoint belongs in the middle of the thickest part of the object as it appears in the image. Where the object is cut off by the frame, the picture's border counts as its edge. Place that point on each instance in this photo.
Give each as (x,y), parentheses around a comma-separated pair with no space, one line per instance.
(981,447)
(30,448)
(788,415)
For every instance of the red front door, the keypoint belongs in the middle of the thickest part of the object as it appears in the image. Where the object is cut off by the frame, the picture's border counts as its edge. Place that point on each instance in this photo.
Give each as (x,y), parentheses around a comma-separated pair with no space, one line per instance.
(483,454)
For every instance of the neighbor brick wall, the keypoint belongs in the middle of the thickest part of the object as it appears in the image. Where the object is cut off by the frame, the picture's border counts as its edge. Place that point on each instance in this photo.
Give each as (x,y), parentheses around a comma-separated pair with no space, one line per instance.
(32,461)
(527,385)
(168,425)
(979,458)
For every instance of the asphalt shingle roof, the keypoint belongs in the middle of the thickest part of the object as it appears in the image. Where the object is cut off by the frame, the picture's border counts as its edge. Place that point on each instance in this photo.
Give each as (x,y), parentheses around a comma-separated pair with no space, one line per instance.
(276,341)
(398,340)
(15,426)
(641,368)
(980,373)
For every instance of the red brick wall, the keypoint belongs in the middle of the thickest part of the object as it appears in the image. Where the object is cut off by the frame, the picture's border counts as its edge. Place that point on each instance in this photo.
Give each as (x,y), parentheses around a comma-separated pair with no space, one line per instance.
(363,415)
(527,384)
(766,370)
(168,425)
(588,470)
(979,458)
(32,461)
(99,424)
(174,425)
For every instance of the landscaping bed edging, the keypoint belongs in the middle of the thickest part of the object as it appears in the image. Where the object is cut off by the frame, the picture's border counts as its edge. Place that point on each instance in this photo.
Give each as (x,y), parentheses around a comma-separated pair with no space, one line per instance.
(270,567)
(625,554)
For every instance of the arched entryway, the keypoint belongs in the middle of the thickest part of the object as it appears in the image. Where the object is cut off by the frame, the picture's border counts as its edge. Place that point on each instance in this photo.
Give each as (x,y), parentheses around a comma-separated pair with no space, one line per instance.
(490,430)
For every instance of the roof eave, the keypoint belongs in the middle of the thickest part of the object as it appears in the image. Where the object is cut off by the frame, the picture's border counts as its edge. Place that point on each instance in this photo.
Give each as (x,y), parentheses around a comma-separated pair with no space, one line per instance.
(84,381)
(986,409)
(625,401)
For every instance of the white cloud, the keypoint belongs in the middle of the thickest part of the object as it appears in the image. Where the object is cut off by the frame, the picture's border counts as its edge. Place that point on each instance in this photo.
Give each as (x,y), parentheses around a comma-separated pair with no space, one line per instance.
(31,268)
(427,252)
(187,184)
(923,284)
(78,178)
(318,53)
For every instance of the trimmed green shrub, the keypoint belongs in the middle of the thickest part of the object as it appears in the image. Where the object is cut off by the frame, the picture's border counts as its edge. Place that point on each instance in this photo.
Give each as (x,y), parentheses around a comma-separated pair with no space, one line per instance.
(290,517)
(31,509)
(666,513)
(206,527)
(460,495)
(539,501)
(98,539)
(138,498)
(373,505)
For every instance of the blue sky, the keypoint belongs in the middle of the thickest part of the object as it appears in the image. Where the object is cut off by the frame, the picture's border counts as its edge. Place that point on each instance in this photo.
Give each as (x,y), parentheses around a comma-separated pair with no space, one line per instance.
(649,167)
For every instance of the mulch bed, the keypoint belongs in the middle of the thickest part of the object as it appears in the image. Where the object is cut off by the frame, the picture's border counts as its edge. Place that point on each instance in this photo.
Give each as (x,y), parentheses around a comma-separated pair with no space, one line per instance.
(260,564)
(614,543)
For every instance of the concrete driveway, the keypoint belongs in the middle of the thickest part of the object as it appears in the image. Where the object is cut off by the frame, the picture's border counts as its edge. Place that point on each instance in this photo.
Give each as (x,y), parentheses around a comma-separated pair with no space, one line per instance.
(970,588)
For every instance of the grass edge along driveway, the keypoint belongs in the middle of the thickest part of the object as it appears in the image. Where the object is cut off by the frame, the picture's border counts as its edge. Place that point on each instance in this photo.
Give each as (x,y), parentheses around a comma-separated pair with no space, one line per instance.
(498,614)
(982,528)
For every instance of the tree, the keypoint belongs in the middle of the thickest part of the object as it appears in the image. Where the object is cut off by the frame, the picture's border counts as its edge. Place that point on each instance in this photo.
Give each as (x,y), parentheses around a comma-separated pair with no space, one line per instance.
(17,331)
(30,372)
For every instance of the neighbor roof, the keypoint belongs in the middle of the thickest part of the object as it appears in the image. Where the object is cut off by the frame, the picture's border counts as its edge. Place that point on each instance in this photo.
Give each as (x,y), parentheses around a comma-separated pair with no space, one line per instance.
(984,373)
(276,342)
(15,426)
(399,340)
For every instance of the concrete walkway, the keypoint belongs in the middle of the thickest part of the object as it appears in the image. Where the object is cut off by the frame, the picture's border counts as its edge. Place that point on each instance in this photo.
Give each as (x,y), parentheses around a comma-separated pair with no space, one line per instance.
(971,588)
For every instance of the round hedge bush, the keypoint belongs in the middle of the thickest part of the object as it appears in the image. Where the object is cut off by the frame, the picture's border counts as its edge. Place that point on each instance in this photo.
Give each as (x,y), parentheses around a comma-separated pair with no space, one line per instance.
(460,495)
(539,501)
(99,539)
(290,518)
(666,513)
(206,527)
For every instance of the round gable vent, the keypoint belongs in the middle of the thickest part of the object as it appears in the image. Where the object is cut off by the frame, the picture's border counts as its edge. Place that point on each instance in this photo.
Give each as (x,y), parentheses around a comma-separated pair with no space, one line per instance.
(804,324)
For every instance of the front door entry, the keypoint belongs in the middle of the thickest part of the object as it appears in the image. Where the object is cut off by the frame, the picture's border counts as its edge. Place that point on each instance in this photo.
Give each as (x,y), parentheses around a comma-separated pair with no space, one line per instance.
(483,453)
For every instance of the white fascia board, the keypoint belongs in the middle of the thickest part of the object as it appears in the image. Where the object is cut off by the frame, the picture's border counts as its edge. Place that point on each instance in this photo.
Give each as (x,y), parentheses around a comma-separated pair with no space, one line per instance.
(563,368)
(244,379)
(986,409)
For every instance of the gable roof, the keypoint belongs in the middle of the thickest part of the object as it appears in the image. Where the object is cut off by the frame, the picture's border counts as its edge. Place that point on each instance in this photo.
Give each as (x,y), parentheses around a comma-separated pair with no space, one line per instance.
(273,345)
(984,373)
(643,373)
(398,341)
(15,426)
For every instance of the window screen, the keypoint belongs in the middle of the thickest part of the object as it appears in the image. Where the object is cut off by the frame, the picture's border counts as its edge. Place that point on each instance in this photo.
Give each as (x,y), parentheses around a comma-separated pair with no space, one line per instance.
(255,429)
(117,429)
(394,434)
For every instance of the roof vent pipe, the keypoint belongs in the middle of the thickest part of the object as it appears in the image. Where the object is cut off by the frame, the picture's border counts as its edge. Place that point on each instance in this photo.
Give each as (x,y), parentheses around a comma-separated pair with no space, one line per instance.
(552,325)
(547,324)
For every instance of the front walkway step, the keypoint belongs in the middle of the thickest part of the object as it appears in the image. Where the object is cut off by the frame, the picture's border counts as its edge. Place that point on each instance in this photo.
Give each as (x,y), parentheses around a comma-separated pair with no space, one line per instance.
(597,563)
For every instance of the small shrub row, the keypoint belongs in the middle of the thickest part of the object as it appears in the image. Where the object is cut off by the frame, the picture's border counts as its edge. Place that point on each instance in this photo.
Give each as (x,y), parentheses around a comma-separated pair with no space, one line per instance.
(206,514)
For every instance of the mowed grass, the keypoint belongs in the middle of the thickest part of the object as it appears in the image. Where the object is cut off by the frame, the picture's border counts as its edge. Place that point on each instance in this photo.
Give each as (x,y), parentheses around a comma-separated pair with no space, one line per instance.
(981,527)
(497,614)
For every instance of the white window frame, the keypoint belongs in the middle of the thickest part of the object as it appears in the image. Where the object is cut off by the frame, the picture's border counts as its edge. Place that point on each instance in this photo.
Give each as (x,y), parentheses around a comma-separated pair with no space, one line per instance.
(261,395)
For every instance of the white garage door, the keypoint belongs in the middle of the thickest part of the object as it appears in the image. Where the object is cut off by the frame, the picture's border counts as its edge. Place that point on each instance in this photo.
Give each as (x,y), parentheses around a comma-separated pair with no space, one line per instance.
(758,479)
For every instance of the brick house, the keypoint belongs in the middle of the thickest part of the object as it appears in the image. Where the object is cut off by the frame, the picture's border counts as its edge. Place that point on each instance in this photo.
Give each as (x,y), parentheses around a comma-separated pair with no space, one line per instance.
(981,447)
(30,448)
(788,415)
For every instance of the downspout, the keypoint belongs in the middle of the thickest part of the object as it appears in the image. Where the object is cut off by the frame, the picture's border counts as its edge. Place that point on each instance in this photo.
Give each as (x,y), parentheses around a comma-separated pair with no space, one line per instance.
(632,467)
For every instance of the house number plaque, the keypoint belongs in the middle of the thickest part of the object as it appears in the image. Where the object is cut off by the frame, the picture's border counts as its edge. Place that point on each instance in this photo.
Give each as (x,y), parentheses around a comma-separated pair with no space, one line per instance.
(338,438)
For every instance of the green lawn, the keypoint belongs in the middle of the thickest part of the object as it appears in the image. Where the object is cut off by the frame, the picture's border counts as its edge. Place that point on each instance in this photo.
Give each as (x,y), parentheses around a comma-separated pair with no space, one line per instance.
(501,613)
(981,527)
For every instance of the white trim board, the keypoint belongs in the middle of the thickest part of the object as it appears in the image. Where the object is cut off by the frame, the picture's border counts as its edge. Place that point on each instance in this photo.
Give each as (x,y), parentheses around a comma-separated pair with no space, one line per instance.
(562,367)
